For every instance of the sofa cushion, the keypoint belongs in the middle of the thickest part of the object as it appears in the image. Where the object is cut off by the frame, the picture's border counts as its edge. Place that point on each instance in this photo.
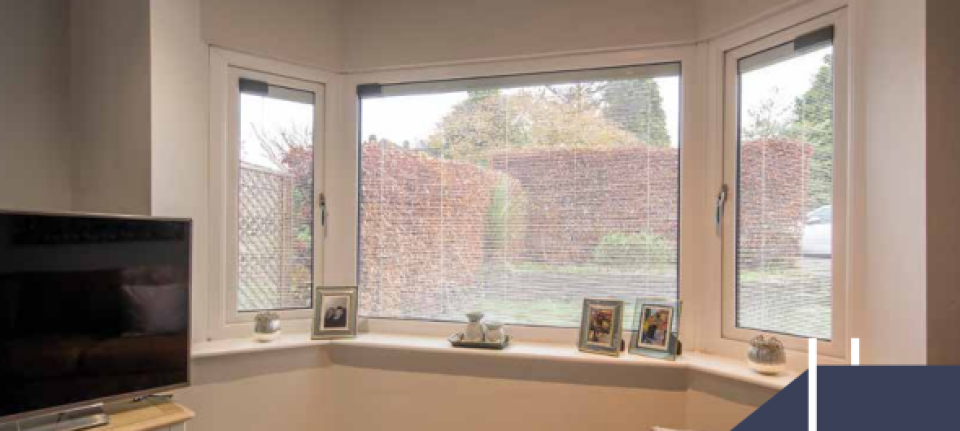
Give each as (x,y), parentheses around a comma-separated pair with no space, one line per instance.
(155,310)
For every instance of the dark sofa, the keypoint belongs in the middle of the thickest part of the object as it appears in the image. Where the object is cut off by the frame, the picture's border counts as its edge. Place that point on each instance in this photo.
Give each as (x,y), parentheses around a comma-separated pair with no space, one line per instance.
(67,337)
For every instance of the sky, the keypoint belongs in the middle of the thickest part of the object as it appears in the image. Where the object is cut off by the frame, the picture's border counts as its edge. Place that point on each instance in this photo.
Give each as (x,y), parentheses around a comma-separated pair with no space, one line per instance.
(787,80)
(414,118)
(268,114)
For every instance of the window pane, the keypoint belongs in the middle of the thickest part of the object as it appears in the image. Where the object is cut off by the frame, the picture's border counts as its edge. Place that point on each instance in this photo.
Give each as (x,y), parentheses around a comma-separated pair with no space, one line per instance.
(520,200)
(784,223)
(276,200)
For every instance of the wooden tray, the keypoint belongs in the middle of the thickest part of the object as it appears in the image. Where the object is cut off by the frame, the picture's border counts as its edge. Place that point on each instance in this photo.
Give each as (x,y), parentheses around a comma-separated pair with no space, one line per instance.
(457,341)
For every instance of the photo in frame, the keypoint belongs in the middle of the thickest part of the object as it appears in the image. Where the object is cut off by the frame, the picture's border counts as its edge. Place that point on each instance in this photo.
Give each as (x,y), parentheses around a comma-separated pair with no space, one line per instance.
(656,328)
(601,327)
(334,313)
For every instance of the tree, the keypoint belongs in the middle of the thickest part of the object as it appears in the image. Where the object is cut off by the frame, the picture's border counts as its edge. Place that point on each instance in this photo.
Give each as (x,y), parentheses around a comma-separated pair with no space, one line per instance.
(814,113)
(636,105)
(579,97)
(478,124)
(544,117)
(290,149)
(769,119)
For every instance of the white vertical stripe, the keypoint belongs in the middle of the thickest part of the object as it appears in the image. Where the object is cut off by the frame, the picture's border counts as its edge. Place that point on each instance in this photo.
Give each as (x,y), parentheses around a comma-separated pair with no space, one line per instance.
(854,351)
(812,388)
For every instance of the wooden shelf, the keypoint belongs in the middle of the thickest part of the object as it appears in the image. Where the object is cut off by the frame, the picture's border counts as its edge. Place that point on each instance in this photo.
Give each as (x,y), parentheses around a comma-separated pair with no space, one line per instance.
(146,415)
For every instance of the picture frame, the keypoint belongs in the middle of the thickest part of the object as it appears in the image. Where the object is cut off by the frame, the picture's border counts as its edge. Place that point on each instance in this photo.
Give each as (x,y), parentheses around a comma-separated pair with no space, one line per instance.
(656,328)
(601,327)
(334,313)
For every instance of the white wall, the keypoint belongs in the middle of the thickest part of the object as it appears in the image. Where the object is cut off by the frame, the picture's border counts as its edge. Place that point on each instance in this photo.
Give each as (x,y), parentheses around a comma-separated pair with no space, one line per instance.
(110,105)
(35,157)
(889,305)
(307,32)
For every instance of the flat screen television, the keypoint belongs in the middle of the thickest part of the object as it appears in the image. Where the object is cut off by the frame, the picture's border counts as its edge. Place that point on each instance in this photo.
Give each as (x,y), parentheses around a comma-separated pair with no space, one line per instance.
(92,309)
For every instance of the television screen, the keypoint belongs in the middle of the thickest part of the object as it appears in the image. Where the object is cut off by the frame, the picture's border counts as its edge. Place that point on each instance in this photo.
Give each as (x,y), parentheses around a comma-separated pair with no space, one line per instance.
(91,308)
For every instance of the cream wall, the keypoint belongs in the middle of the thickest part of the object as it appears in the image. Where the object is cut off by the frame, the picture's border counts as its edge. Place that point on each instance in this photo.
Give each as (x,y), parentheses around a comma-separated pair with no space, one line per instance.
(386,33)
(715,17)
(393,389)
(35,153)
(943,176)
(889,304)
(346,387)
(179,129)
(307,32)
(110,105)
(287,390)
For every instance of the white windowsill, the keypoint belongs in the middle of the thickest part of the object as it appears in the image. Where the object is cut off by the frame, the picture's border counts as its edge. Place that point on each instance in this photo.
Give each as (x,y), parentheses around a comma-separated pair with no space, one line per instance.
(237,346)
(712,365)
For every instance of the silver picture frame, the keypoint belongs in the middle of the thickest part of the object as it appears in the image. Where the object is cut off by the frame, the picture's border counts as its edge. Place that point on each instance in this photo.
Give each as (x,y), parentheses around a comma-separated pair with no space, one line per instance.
(601,327)
(334,313)
(659,338)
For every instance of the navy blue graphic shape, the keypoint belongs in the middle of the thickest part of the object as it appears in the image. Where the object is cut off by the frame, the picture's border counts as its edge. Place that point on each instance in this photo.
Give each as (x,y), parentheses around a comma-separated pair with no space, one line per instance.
(875,398)
(888,398)
(786,411)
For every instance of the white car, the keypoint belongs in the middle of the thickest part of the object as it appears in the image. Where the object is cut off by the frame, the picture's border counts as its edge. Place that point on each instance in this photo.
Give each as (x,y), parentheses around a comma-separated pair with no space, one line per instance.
(818,233)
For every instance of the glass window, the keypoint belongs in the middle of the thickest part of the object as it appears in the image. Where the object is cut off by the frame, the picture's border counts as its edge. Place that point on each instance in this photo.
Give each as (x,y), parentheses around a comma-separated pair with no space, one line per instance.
(275,197)
(519,196)
(785,194)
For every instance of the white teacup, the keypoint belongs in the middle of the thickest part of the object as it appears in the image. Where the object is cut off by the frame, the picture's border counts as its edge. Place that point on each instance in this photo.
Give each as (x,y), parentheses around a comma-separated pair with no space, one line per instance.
(475,329)
(495,332)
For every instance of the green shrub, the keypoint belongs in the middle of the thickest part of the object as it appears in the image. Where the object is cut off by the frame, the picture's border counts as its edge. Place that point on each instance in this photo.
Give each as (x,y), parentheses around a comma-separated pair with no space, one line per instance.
(634,250)
(506,216)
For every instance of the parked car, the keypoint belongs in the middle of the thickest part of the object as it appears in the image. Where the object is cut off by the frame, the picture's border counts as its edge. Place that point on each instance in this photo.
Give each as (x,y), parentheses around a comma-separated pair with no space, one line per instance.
(818,233)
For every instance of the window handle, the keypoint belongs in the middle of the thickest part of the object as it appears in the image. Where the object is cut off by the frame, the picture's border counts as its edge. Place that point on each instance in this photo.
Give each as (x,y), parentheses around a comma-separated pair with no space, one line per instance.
(323,213)
(721,203)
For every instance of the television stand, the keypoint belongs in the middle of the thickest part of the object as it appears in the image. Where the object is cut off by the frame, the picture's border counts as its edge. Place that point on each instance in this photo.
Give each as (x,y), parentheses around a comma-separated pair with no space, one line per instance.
(68,420)
(151,414)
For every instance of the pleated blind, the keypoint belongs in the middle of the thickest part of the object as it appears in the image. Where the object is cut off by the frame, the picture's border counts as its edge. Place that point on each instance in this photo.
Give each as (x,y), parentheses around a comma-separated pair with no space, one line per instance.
(519,196)
(274,219)
(784,243)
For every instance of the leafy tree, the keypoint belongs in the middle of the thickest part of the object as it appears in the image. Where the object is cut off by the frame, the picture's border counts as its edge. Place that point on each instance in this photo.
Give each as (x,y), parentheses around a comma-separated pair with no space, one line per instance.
(636,105)
(808,119)
(475,126)
(770,119)
(579,97)
(553,116)
(814,113)
(291,150)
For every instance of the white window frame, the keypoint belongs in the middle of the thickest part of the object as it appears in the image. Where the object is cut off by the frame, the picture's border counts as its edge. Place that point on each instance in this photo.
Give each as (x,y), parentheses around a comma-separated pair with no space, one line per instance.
(226,69)
(691,168)
(836,347)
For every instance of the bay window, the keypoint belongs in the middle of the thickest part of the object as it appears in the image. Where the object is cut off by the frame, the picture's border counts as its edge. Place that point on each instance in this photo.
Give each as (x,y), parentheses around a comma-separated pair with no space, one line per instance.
(519,195)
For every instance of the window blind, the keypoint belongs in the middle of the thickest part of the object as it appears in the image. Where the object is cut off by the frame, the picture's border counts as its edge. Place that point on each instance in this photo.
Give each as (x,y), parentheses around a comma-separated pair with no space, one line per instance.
(519,196)
(784,240)
(274,197)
